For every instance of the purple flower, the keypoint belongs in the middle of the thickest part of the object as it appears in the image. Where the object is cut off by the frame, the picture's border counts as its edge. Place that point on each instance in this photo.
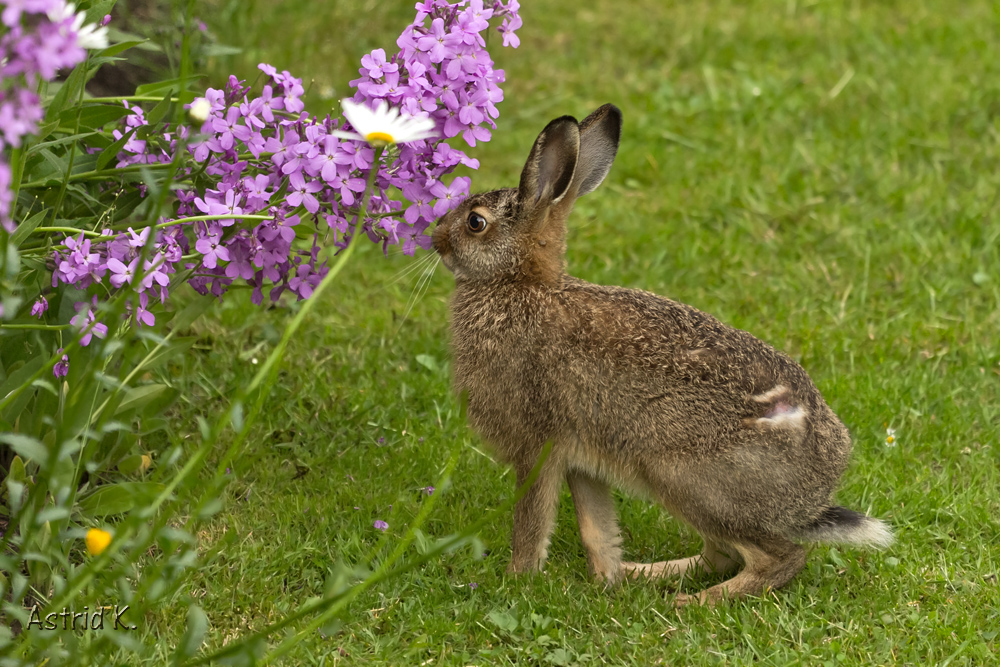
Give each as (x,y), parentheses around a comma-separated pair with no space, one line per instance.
(61,369)
(449,196)
(305,280)
(87,323)
(438,42)
(155,271)
(376,64)
(473,585)
(507,28)
(239,260)
(39,307)
(120,272)
(210,246)
(303,193)
(381,525)
(142,315)
(429,490)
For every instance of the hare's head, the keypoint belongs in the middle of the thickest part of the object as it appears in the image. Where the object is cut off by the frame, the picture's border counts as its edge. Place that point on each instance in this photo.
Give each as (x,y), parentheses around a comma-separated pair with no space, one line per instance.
(520,232)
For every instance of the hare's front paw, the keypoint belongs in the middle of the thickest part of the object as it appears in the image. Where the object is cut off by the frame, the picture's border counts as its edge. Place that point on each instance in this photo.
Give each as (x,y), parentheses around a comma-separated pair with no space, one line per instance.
(524,567)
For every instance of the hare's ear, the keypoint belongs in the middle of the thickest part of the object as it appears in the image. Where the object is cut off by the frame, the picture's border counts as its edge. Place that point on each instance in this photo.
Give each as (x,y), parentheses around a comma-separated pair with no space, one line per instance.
(549,170)
(599,136)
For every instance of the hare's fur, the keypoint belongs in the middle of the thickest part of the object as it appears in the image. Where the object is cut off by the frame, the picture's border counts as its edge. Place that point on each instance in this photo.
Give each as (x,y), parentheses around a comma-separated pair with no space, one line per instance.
(633,390)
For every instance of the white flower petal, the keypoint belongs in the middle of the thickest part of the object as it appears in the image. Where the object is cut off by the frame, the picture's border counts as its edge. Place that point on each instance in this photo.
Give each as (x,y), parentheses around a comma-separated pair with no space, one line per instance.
(386,122)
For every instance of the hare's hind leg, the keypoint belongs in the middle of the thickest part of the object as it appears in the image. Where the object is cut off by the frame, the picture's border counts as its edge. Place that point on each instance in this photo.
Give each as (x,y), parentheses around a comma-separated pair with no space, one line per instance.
(710,560)
(769,564)
(598,521)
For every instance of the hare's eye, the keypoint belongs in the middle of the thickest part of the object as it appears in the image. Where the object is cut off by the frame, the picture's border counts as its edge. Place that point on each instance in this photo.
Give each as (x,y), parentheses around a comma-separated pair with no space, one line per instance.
(477,223)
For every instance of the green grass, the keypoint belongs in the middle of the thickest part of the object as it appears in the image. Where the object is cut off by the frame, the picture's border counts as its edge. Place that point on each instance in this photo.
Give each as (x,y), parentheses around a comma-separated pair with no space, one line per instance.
(821,174)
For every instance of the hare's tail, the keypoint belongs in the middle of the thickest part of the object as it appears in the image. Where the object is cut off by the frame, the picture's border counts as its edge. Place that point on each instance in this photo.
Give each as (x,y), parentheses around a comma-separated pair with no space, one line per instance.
(844,526)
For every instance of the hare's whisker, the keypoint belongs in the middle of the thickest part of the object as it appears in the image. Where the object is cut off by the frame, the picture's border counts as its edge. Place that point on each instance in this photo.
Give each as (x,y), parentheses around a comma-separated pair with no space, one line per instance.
(423,284)
(409,269)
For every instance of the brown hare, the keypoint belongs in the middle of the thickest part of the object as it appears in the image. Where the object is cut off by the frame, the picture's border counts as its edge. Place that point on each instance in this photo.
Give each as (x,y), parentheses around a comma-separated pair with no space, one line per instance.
(633,390)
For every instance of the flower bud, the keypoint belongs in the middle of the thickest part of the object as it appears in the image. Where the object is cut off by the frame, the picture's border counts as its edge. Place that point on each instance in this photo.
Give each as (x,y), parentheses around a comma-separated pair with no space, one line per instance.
(147,461)
(199,110)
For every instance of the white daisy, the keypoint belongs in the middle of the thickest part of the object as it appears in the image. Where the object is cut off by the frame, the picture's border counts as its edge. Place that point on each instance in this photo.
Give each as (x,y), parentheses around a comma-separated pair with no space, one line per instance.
(90,36)
(384,125)
(890,437)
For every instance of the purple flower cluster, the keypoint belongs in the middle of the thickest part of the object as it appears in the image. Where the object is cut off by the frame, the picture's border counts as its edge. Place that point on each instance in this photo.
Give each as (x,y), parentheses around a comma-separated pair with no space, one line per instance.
(40,38)
(117,258)
(264,156)
(259,154)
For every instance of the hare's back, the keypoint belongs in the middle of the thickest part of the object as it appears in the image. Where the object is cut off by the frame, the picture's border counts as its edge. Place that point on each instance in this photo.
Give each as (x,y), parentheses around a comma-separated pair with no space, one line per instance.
(663,347)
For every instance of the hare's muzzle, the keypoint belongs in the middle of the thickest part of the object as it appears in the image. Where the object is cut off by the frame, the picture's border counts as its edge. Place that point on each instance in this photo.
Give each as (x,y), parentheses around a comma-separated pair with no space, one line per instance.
(441,241)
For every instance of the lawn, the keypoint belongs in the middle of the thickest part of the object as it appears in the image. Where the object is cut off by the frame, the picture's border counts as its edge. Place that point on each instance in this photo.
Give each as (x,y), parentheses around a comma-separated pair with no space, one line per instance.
(822,174)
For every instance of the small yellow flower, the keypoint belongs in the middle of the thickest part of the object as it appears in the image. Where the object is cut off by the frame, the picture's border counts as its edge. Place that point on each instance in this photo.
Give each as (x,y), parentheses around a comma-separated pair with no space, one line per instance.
(147,461)
(97,541)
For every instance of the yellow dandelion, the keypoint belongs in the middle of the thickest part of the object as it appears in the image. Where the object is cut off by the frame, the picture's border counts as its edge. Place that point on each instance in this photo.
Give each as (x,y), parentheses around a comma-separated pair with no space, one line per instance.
(97,541)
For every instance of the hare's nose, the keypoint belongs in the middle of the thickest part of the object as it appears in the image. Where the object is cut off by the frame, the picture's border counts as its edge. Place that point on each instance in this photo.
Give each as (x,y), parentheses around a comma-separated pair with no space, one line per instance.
(440,240)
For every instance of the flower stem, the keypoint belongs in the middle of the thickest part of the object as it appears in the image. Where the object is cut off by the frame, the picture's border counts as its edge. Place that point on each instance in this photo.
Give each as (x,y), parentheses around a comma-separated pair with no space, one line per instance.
(65,230)
(201,218)
(98,175)
(130,98)
(43,327)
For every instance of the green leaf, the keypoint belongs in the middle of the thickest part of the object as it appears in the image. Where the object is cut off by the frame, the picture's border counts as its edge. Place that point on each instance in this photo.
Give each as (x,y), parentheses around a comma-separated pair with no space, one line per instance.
(194,635)
(118,498)
(57,164)
(169,349)
(159,111)
(162,87)
(504,621)
(52,514)
(186,317)
(206,430)
(25,228)
(217,50)
(67,93)
(98,10)
(62,141)
(237,416)
(17,471)
(94,116)
(130,464)
(25,446)
(428,362)
(140,397)
(21,376)
(115,49)
(111,152)
(211,508)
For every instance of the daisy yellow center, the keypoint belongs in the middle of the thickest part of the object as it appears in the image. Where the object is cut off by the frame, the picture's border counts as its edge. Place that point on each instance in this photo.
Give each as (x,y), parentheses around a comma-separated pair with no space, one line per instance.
(379,138)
